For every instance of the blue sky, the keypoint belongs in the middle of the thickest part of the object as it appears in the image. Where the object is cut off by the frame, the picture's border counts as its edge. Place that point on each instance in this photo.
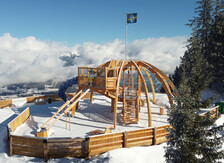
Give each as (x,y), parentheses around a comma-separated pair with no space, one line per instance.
(77,21)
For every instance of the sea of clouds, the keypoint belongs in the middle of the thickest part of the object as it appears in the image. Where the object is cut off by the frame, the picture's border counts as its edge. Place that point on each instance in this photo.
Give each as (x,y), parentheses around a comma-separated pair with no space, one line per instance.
(29,59)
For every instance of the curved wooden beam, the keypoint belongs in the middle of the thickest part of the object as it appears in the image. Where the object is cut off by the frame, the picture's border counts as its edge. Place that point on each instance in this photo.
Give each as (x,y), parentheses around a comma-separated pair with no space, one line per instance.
(117,93)
(152,85)
(146,93)
(104,64)
(163,75)
(160,78)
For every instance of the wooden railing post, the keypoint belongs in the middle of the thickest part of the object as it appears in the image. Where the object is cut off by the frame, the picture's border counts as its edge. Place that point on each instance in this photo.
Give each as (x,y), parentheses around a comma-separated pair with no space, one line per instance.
(125,143)
(11,149)
(112,104)
(154,136)
(86,150)
(45,150)
(217,111)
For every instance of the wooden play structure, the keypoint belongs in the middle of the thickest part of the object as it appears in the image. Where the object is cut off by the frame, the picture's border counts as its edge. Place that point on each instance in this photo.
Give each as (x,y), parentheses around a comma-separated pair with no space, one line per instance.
(120,80)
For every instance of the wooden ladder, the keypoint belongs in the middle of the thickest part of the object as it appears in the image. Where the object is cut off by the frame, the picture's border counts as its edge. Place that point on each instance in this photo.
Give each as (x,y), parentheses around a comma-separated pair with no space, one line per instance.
(130,108)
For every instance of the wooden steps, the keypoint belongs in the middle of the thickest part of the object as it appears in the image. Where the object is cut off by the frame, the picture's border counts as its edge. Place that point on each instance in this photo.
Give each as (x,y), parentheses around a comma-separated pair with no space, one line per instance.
(130,108)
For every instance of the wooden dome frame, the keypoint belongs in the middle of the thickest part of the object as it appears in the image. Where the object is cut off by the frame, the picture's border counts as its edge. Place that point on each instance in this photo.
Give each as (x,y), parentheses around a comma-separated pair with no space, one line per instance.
(167,84)
(107,82)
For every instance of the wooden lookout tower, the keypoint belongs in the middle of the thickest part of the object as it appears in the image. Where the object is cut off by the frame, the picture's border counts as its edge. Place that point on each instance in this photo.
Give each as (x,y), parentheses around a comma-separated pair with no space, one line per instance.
(124,81)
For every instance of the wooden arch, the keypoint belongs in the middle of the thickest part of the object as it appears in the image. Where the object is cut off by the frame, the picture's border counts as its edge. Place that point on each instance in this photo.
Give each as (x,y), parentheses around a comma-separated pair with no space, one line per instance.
(167,84)
(161,77)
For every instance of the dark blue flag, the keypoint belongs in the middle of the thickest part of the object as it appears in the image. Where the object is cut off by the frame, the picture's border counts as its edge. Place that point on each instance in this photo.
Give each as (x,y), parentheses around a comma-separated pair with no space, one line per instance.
(132,18)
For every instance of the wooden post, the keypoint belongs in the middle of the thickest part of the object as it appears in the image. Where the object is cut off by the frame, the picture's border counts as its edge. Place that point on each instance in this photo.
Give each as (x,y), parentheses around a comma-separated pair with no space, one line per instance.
(11,149)
(217,111)
(117,92)
(124,108)
(112,104)
(66,120)
(154,136)
(70,120)
(139,90)
(123,82)
(45,150)
(86,148)
(125,142)
(146,93)
(139,85)
(128,81)
(132,78)
(161,111)
(91,96)
(137,105)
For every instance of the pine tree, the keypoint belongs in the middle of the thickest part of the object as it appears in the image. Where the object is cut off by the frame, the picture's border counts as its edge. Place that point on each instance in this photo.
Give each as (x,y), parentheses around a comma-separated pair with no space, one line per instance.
(209,26)
(216,43)
(201,26)
(190,139)
(202,23)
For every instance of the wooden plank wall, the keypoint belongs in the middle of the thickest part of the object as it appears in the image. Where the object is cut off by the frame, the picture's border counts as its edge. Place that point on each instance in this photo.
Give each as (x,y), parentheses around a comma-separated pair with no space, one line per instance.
(27,146)
(5,103)
(103,143)
(150,136)
(20,119)
(65,147)
(48,148)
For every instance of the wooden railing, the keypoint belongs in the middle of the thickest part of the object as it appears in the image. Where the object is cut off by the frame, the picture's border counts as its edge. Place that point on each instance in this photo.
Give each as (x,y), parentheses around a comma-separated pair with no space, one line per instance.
(81,147)
(19,120)
(214,112)
(8,103)
(5,103)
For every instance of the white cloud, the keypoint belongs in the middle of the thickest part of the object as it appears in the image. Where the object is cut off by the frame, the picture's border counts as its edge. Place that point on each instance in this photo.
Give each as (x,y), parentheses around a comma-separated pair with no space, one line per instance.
(28,59)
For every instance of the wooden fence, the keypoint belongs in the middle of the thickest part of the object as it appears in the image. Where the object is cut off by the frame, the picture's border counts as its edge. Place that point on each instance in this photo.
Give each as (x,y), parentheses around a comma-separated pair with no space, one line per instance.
(20,119)
(84,147)
(144,137)
(81,147)
(214,112)
(5,103)
(8,103)
(48,148)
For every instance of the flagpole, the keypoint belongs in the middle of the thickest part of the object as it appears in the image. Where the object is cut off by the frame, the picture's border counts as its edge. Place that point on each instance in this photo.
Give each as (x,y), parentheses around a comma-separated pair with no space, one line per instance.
(125,48)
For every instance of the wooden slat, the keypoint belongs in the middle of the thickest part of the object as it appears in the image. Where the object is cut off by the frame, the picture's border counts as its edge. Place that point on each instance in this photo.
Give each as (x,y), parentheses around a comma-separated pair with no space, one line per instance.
(140,131)
(161,140)
(64,145)
(61,154)
(20,119)
(5,103)
(135,135)
(108,141)
(65,140)
(32,154)
(100,145)
(140,143)
(71,149)
(104,137)
(138,139)
(27,141)
(102,150)
(26,148)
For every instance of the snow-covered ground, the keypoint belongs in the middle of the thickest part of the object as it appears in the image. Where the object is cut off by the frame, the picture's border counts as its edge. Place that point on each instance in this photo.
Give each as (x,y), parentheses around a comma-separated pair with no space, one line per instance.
(89,116)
